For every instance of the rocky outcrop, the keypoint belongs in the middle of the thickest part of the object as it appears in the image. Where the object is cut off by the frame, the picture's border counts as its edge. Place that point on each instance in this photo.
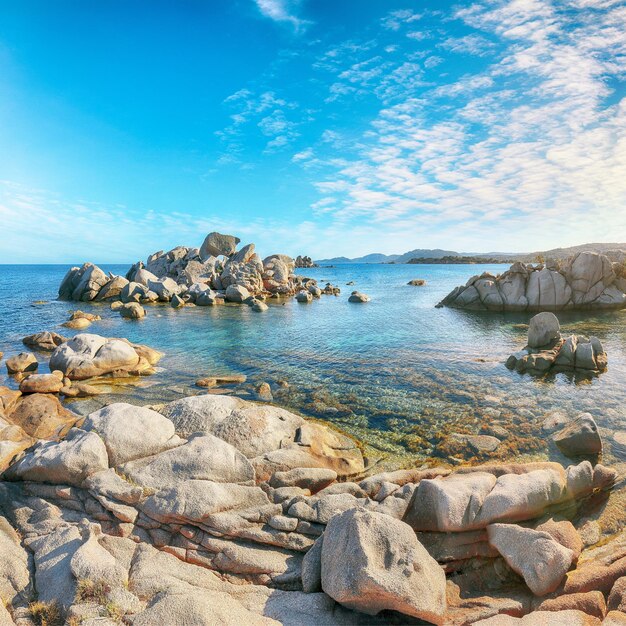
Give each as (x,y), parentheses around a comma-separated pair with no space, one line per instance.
(304,262)
(587,280)
(178,517)
(547,351)
(204,276)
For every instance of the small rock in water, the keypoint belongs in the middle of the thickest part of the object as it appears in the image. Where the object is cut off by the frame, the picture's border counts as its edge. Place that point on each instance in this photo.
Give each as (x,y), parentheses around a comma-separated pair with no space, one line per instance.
(580,437)
(45,341)
(304,296)
(79,323)
(417,282)
(76,315)
(22,362)
(357,296)
(132,310)
(206,382)
(264,392)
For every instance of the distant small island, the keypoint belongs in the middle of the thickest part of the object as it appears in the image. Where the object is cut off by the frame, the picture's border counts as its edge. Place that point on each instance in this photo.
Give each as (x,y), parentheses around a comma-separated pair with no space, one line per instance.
(456,260)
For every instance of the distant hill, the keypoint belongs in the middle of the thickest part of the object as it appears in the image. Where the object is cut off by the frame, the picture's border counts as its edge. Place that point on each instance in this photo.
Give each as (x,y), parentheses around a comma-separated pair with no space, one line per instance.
(390,258)
(433,255)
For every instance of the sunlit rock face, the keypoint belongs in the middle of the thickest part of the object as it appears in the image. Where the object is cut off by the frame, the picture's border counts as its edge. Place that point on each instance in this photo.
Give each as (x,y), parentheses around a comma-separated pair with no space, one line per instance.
(587,280)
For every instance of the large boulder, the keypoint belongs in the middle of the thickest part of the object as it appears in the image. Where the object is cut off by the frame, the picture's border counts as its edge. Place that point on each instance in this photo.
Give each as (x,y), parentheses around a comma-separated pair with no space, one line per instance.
(535,555)
(236,293)
(87,355)
(131,432)
(41,416)
(371,562)
(42,383)
(216,244)
(201,458)
(473,500)
(589,274)
(66,462)
(275,439)
(165,288)
(543,329)
(82,283)
(112,289)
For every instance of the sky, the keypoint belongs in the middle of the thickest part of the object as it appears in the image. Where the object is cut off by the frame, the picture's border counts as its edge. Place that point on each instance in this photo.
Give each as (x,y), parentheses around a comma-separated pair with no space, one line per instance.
(316,127)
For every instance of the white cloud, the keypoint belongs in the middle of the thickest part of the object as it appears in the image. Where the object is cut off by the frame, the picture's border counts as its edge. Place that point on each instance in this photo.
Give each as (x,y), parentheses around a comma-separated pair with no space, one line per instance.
(282,11)
(532,145)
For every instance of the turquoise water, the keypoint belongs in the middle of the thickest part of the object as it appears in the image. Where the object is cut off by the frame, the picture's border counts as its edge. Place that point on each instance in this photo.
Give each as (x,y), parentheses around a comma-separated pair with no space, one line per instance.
(396,372)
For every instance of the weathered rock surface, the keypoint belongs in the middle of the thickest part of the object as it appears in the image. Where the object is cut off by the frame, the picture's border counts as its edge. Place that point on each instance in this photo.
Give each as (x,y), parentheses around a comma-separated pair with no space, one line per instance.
(45,341)
(536,556)
(121,519)
(87,355)
(372,562)
(40,415)
(580,437)
(22,362)
(67,462)
(131,432)
(585,281)
(42,383)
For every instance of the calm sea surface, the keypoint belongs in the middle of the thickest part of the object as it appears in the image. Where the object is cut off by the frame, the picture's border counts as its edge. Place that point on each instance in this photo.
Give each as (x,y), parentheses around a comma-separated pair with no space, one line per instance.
(395,372)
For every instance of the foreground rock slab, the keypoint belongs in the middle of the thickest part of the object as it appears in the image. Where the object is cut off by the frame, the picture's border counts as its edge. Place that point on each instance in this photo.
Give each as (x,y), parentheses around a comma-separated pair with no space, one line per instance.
(371,562)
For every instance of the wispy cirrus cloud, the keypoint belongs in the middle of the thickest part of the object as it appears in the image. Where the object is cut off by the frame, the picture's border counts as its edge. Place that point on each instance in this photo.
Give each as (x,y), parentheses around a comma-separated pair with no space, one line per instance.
(531,144)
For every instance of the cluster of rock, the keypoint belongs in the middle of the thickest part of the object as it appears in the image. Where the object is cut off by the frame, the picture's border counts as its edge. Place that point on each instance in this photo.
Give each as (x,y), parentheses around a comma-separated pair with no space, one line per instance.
(213,273)
(74,361)
(547,351)
(305,261)
(587,280)
(217,510)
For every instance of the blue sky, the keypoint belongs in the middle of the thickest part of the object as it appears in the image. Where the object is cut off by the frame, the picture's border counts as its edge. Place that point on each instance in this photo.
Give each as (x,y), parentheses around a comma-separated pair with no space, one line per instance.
(309,127)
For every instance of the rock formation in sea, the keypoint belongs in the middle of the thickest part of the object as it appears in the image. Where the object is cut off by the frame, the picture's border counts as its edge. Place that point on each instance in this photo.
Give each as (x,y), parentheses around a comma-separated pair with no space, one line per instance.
(547,351)
(213,273)
(215,510)
(587,280)
(305,261)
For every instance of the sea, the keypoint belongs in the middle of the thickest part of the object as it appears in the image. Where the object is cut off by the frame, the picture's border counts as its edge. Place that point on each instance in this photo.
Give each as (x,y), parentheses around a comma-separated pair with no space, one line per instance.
(401,376)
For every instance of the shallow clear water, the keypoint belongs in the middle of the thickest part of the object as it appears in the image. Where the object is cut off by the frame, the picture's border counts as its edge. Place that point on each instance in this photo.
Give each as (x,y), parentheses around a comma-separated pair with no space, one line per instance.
(396,372)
